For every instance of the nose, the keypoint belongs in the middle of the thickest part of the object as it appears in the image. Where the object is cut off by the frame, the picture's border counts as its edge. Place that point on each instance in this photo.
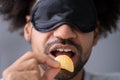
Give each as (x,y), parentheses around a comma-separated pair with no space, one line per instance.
(65,32)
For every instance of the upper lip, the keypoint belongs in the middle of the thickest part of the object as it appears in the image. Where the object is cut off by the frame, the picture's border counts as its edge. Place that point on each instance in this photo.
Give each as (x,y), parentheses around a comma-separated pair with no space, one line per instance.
(63,48)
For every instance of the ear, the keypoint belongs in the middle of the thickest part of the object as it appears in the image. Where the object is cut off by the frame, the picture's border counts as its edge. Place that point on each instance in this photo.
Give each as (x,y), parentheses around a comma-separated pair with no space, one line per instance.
(96,35)
(28,31)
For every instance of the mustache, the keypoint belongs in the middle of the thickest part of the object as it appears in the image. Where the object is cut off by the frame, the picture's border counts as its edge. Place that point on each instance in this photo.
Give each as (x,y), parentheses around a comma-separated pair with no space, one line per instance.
(64,42)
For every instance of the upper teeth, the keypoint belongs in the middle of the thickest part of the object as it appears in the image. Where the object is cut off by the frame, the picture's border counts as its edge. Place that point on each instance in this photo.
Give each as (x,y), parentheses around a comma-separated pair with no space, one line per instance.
(65,50)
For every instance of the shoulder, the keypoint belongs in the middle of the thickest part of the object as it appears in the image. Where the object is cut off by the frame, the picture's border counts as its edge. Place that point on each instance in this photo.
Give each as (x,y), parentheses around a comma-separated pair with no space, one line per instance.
(108,76)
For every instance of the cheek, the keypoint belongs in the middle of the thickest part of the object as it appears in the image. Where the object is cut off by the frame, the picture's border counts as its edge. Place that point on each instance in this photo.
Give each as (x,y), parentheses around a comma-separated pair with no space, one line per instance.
(87,44)
(38,41)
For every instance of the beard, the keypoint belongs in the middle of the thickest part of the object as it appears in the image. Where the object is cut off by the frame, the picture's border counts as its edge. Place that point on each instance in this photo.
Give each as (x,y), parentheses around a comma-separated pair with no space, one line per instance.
(66,75)
(78,65)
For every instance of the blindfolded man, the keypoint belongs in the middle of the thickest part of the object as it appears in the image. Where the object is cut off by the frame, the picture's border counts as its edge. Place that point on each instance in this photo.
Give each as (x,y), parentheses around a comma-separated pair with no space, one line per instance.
(58,27)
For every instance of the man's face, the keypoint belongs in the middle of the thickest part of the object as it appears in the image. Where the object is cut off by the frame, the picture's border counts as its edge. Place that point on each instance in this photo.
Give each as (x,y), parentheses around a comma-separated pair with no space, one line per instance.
(64,40)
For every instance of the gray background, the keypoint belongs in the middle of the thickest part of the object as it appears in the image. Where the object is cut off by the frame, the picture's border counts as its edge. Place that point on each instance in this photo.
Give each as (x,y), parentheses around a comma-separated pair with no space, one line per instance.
(105,57)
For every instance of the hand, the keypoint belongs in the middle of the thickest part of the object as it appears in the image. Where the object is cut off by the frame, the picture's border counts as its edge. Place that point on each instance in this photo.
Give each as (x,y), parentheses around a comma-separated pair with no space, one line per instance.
(28,68)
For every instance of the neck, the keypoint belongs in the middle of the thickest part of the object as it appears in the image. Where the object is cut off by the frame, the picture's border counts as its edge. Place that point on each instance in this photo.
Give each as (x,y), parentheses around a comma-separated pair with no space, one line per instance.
(79,76)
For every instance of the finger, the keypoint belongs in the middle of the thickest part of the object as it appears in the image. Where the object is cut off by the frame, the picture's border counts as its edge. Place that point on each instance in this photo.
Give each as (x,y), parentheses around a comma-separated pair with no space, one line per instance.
(41,59)
(28,55)
(48,61)
(50,74)
(24,66)
(25,75)
(28,65)
(30,75)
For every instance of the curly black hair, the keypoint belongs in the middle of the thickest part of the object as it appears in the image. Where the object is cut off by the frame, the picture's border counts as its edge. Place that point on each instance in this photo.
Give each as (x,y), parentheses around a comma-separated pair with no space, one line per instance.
(108,12)
(15,11)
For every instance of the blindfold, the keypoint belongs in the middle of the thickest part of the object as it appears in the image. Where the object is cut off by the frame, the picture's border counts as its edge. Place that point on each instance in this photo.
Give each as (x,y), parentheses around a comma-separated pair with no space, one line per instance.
(50,14)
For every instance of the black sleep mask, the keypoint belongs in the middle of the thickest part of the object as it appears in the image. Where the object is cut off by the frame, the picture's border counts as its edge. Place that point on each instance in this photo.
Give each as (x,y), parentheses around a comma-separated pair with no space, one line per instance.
(50,14)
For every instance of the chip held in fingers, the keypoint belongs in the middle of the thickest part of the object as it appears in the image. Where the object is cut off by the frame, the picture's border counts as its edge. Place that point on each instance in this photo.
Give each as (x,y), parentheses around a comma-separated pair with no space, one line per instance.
(66,62)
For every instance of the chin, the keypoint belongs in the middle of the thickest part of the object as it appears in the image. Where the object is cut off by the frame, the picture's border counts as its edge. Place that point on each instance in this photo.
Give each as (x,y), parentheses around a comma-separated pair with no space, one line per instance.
(64,75)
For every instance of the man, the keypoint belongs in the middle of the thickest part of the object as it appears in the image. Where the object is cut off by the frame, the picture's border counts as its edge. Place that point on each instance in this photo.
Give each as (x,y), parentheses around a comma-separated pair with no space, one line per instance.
(58,27)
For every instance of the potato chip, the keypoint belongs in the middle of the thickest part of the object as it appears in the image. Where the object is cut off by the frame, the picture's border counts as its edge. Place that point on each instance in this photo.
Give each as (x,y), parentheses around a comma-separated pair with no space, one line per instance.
(66,62)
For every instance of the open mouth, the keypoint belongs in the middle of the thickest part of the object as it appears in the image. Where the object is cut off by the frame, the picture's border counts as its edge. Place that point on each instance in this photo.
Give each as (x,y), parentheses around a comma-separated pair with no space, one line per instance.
(63,51)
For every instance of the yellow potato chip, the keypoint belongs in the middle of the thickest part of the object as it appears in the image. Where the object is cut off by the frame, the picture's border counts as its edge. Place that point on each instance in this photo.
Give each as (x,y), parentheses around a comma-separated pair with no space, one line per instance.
(66,62)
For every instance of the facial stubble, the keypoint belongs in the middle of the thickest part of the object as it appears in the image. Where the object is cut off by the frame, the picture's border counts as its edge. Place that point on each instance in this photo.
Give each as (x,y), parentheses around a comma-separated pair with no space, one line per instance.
(63,74)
